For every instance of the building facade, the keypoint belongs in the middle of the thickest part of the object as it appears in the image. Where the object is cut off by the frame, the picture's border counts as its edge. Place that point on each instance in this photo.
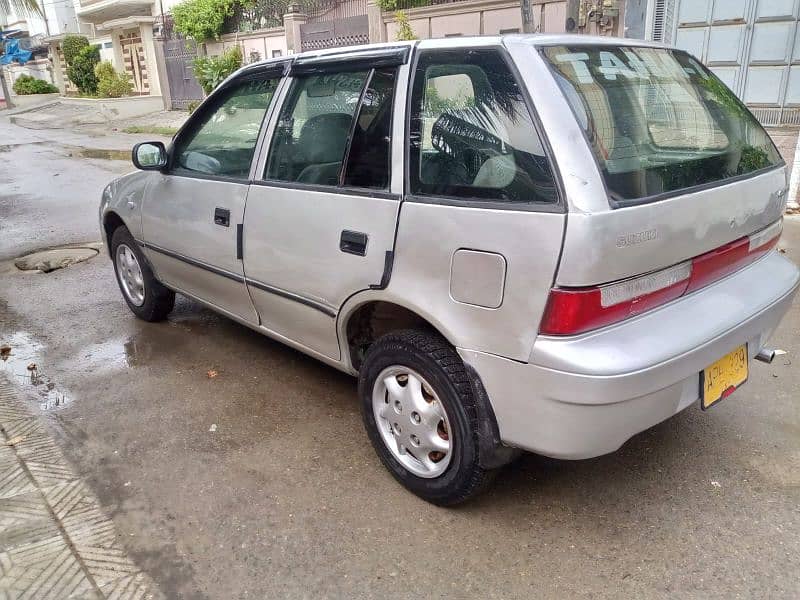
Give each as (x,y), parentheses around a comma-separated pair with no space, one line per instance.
(33,32)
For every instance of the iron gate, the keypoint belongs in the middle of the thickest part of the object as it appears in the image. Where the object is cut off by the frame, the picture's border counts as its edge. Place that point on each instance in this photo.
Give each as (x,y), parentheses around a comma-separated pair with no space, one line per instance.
(752,45)
(178,56)
(334,23)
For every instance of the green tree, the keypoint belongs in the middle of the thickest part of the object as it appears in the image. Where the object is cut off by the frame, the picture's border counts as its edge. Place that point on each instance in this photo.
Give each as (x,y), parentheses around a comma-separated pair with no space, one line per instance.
(71,46)
(81,70)
(202,20)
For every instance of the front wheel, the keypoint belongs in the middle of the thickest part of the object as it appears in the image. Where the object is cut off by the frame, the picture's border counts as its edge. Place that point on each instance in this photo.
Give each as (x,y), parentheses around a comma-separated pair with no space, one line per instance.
(147,297)
(421,417)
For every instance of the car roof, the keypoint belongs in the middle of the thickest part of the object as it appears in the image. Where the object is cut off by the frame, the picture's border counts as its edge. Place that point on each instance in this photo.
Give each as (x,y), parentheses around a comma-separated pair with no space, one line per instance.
(534,39)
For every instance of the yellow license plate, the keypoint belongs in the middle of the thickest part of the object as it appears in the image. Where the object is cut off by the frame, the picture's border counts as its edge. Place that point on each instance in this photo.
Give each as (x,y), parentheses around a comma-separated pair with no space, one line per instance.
(719,380)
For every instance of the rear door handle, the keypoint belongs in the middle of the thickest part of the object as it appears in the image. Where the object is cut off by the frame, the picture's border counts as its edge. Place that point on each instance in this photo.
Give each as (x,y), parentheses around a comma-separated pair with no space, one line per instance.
(353,242)
(222,217)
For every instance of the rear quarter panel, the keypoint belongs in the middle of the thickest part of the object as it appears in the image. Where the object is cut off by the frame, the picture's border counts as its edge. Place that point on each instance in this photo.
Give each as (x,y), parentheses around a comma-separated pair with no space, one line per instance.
(428,236)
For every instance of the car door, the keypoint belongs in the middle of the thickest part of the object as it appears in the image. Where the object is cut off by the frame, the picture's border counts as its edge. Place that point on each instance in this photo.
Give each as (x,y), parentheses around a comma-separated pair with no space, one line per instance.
(193,212)
(321,216)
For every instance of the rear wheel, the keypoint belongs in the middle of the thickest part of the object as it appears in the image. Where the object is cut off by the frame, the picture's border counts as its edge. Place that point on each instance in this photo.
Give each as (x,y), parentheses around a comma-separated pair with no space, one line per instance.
(421,417)
(147,298)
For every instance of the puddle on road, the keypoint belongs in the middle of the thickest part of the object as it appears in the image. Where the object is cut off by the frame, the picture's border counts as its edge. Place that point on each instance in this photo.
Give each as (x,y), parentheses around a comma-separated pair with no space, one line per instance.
(114,355)
(19,352)
(104,154)
(21,358)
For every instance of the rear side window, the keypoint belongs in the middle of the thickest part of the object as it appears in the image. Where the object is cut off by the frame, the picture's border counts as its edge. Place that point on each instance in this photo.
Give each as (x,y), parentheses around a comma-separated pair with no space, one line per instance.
(370,151)
(221,141)
(314,127)
(658,121)
(331,120)
(472,135)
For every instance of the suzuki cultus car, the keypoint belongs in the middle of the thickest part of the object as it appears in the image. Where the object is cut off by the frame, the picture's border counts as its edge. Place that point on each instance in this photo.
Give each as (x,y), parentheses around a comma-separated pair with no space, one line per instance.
(519,243)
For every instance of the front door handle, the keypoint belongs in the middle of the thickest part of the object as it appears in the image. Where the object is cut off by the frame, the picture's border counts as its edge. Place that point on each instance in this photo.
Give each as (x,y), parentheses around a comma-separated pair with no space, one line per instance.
(222,217)
(353,242)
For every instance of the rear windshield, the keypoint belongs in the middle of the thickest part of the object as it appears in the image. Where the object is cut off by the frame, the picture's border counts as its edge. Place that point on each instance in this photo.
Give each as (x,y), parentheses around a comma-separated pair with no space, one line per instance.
(658,121)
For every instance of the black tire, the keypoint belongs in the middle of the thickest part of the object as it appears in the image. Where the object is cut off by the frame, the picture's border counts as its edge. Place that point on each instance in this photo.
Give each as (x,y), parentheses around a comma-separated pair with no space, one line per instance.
(438,363)
(158,300)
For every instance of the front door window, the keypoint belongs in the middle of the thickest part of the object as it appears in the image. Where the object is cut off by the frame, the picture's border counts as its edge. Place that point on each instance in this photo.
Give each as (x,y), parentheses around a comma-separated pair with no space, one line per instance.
(223,139)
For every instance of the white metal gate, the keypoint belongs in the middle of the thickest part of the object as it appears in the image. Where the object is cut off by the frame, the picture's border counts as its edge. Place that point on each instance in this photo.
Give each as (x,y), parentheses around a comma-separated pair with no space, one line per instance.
(753,46)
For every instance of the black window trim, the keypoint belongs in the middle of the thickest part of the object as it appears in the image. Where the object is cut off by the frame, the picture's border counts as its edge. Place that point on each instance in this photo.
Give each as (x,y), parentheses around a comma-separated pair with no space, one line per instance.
(273,70)
(615,203)
(348,66)
(327,189)
(559,206)
(354,60)
(350,134)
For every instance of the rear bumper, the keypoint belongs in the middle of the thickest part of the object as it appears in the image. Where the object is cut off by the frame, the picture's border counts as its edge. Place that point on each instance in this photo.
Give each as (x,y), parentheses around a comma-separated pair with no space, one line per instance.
(586,395)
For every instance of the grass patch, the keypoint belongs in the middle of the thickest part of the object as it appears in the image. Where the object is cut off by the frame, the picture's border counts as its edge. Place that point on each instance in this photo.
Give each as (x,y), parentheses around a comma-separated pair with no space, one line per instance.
(155,129)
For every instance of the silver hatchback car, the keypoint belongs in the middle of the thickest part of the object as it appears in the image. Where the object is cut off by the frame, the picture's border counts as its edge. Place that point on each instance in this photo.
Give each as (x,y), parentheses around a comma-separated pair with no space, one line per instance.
(539,243)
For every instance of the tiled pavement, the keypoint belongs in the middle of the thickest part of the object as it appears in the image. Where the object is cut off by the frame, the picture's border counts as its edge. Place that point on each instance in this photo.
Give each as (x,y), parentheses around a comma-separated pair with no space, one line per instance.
(55,542)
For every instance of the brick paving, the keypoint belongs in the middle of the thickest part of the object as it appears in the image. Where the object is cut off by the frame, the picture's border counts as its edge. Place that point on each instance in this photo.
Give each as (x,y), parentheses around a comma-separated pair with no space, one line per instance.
(55,541)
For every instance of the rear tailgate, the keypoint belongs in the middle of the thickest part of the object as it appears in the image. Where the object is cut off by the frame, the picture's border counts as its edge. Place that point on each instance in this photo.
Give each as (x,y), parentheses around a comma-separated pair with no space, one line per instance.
(686,167)
(693,189)
(625,242)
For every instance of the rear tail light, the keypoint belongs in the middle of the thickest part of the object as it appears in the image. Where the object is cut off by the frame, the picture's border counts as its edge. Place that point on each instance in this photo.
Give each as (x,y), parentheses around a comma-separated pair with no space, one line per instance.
(576,310)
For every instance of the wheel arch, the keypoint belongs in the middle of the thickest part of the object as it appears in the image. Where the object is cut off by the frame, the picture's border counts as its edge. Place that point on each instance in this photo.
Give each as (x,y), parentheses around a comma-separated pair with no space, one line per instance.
(111,222)
(365,319)
(372,317)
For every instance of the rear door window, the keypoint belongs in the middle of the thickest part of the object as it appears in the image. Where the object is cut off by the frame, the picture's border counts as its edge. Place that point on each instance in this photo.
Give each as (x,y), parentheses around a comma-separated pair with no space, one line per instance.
(314,128)
(658,121)
(472,135)
(369,158)
(335,130)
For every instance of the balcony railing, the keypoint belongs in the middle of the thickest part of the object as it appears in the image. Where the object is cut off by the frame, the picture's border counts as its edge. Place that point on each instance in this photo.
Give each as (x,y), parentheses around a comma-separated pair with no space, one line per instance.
(261,14)
(393,5)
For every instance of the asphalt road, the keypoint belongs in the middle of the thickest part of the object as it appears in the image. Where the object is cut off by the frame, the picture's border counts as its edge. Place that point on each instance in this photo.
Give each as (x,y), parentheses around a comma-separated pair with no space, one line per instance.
(286,499)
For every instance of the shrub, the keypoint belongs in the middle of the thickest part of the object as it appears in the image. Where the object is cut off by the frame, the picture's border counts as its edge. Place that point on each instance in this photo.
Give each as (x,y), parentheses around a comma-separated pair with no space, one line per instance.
(81,69)
(192,106)
(212,70)
(201,20)
(26,85)
(72,45)
(110,83)
(404,31)
(104,70)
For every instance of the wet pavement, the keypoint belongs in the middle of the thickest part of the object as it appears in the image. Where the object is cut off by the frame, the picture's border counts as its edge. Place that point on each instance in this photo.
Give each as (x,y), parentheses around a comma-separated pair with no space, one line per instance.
(260,482)
(51,181)
(55,541)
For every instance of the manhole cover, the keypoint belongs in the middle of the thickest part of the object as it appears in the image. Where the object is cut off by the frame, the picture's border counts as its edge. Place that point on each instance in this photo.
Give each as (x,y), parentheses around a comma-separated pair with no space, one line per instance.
(57,258)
